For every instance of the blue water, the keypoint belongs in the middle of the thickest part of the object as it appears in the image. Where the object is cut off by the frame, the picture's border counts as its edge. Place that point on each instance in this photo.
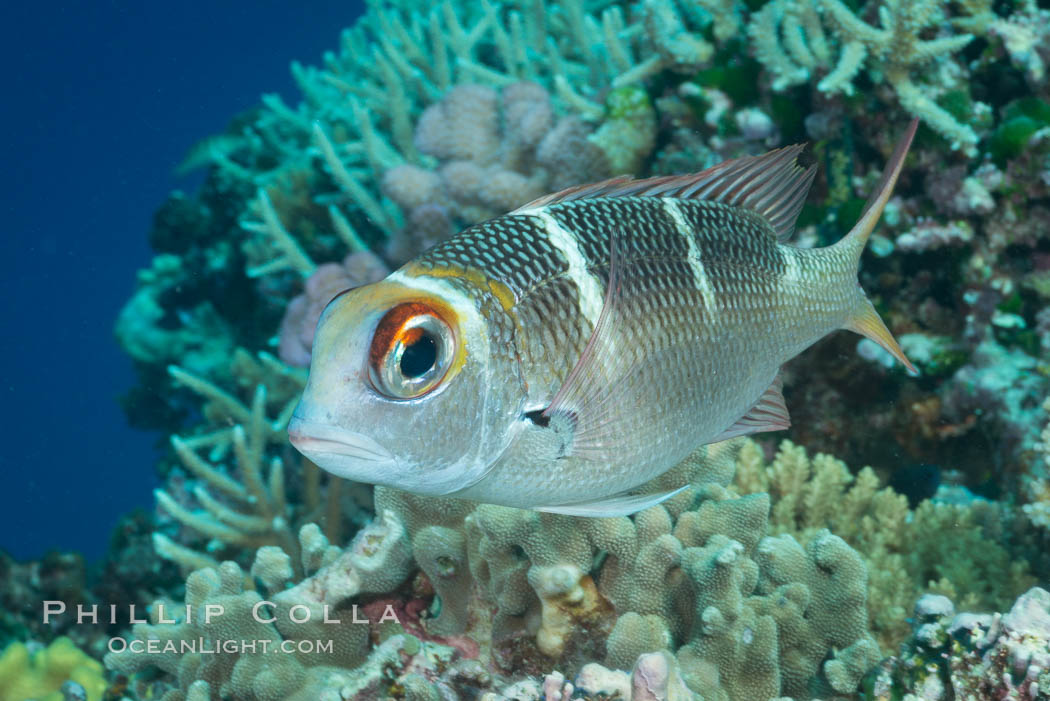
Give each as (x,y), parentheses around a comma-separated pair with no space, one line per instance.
(101,101)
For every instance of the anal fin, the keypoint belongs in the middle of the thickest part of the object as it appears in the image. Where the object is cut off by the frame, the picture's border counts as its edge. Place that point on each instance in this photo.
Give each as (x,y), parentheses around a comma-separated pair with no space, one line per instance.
(768,414)
(623,504)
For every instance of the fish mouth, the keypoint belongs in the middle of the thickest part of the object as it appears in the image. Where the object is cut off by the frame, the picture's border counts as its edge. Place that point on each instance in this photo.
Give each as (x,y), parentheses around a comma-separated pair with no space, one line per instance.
(317,439)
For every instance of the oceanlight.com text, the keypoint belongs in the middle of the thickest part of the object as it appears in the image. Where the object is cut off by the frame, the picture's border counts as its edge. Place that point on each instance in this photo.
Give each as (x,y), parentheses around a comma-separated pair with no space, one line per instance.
(213,646)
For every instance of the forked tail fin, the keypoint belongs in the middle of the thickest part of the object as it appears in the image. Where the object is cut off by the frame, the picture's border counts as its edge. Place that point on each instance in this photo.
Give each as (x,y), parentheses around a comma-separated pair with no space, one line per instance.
(858,236)
(867,322)
(863,318)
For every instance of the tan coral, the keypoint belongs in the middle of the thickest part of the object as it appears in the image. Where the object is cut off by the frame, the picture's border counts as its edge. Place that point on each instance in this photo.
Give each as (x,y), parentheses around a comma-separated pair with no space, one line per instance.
(939,547)
(569,600)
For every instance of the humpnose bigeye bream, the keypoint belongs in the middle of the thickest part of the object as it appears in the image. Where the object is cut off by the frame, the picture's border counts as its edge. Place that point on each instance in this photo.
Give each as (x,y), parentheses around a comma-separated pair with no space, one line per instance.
(561,356)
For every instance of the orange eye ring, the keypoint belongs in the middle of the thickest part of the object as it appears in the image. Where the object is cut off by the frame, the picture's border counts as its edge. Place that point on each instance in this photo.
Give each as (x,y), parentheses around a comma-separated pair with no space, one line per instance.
(411,352)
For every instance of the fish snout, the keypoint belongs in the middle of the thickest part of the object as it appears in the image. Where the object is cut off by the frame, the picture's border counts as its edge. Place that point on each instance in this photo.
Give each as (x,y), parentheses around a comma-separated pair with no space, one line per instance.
(340,451)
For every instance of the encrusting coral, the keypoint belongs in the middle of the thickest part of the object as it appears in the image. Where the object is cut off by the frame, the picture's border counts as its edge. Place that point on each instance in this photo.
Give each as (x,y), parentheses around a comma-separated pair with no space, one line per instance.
(747,616)
(59,672)
(940,547)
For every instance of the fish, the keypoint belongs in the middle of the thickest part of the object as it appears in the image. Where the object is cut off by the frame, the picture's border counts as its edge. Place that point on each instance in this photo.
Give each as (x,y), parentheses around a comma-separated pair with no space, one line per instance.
(563,355)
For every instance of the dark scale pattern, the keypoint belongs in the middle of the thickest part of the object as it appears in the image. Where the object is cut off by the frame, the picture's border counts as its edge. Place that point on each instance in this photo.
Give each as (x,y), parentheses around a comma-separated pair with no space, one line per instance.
(511,249)
(643,227)
(731,236)
(555,333)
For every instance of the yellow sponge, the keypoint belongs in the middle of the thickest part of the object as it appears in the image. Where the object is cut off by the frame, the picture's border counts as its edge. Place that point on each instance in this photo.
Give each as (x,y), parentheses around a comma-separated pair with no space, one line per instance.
(40,675)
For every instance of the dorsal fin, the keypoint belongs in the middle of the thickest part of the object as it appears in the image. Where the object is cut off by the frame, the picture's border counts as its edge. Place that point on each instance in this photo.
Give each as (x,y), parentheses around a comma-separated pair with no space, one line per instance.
(773,184)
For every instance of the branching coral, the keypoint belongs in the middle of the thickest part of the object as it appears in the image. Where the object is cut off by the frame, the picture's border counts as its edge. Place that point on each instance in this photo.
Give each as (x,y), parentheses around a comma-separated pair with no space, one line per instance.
(796,38)
(253,510)
(428,119)
(360,106)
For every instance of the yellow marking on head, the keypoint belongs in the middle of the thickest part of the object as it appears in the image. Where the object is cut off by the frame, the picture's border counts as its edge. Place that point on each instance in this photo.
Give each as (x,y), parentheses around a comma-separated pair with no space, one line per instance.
(474,276)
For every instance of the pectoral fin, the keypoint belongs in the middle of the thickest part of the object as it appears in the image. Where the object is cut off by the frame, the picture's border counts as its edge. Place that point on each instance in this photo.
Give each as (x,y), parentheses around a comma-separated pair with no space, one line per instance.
(592,398)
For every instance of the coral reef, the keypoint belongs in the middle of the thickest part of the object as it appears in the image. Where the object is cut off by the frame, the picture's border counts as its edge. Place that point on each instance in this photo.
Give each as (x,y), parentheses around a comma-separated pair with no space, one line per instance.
(775,573)
(746,616)
(970,656)
(955,549)
(794,38)
(236,508)
(1038,507)
(427,120)
(496,150)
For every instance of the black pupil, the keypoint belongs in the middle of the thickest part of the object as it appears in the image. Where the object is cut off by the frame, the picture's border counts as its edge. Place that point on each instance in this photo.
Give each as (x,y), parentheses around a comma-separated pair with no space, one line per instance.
(419,357)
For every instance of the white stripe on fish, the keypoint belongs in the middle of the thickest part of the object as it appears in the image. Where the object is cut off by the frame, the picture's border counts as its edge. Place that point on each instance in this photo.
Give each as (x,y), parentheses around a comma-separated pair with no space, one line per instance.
(591,294)
(703,285)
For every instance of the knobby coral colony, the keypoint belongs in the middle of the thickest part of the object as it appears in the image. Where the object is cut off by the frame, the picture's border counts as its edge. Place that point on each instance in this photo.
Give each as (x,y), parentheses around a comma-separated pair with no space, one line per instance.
(775,573)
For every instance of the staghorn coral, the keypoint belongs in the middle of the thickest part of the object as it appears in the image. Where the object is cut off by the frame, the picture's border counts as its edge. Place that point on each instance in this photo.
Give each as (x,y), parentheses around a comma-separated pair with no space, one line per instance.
(1024,37)
(399,61)
(251,511)
(796,38)
(948,548)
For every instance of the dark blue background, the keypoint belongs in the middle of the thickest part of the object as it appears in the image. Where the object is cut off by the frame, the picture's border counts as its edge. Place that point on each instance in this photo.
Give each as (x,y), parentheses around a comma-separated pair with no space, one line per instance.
(101,100)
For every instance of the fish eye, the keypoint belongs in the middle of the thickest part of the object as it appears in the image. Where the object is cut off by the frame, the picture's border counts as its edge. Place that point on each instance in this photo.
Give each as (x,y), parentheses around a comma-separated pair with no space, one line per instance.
(411,351)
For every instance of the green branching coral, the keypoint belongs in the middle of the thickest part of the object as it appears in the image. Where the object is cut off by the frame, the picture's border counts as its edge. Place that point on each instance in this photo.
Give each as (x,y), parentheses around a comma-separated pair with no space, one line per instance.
(942,548)
(796,39)
(361,105)
(244,508)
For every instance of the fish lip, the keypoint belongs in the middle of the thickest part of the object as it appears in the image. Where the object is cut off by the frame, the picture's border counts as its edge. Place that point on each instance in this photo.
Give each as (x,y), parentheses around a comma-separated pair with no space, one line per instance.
(314,438)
